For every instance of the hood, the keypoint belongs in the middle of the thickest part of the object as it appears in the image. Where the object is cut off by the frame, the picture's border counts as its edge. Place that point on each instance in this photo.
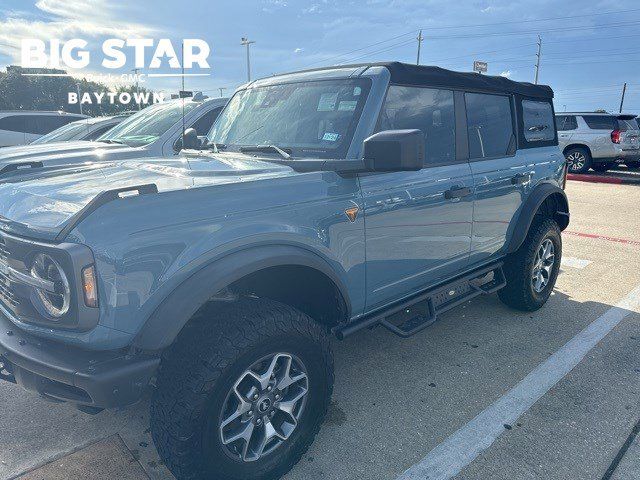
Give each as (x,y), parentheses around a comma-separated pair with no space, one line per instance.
(51,150)
(39,204)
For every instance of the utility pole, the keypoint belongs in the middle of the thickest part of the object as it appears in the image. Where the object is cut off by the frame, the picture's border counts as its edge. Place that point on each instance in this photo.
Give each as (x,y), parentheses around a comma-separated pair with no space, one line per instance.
(420,39)
(80,100)
(624,90)
(246,42)
(222,89)
(135,72)
(539,54)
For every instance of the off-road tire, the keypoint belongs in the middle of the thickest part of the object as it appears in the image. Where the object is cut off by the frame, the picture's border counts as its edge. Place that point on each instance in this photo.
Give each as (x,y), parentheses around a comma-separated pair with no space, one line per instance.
(584,153)
(518,268)
(199,370)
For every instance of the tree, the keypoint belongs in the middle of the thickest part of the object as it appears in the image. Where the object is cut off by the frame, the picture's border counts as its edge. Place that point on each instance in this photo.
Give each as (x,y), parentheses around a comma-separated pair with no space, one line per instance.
(21,92)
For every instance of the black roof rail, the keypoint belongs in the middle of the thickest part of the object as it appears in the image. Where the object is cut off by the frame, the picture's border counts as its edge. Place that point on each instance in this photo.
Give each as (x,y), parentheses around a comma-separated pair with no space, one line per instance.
(101,199)
(12,167)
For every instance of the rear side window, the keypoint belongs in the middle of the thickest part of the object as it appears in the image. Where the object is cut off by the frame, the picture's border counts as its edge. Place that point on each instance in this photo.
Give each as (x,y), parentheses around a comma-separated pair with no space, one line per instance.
(12,123)
(204,123)
(626,125)
(600,122)
(97,133)
(566,122)
(538,121)
(489,125)
(429,110)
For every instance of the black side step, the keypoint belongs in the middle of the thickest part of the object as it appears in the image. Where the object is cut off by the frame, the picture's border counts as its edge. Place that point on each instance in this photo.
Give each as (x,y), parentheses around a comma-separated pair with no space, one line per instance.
(438,300)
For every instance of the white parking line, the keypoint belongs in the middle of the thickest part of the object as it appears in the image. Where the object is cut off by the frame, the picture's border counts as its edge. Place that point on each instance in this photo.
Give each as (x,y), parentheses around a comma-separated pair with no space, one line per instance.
(574,262)
(460,449)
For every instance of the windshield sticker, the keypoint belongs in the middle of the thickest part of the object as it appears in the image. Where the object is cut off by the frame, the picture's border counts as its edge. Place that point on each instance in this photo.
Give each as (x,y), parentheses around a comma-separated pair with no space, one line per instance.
(327,102)
(357,91)
(347,105)
(331,137)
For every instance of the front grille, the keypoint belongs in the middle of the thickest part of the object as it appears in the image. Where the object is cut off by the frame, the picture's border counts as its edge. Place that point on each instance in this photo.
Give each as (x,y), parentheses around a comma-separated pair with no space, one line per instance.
(7,296)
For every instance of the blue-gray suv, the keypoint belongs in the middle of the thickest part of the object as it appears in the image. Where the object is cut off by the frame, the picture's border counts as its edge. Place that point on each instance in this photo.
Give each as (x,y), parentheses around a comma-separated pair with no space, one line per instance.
(323,202)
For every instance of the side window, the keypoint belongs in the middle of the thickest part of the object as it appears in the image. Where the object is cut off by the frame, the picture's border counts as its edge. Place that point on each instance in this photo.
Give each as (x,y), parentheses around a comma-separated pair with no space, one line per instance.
(489,125)
(538,121)
(12,123)
(96,133)
(566,122)
(426,109)
(204,123)
(600,122)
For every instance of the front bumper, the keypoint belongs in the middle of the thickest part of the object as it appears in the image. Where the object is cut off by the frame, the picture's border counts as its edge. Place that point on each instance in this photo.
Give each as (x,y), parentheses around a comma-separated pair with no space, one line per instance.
(100,379)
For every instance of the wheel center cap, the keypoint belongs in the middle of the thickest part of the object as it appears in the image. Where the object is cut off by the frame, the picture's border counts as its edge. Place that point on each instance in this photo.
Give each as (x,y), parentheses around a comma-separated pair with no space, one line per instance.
(264,405)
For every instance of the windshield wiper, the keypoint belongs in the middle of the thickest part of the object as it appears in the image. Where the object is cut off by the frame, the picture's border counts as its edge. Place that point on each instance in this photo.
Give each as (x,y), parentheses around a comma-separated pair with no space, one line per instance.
(266,148)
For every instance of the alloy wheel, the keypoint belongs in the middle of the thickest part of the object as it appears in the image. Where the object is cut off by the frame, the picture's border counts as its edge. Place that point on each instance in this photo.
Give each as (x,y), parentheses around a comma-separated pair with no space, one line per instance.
(576,161)
(263,408)
(543,265)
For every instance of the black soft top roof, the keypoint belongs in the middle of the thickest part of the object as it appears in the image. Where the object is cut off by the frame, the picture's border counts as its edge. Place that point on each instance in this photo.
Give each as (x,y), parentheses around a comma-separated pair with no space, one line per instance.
(407,74)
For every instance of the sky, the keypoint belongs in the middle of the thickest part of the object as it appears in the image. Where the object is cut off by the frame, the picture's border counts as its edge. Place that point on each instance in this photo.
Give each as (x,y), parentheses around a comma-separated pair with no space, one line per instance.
(590,48)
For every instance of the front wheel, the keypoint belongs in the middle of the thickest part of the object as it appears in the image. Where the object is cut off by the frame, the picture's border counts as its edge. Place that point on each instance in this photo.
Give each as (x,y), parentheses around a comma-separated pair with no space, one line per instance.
(578,160)
(242,395)
(531,271)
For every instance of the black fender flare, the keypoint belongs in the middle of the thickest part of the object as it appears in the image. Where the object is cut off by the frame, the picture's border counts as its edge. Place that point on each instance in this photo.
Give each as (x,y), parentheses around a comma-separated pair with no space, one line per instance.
(168,319)
(520,226)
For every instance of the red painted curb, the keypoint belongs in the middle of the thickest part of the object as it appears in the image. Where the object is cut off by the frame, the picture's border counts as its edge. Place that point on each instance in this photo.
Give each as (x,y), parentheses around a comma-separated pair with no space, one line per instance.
(581,177)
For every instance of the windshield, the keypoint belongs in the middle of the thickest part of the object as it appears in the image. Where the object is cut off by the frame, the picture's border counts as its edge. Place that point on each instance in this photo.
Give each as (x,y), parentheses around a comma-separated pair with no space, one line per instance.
(147,126)
(313,118)
(62,134)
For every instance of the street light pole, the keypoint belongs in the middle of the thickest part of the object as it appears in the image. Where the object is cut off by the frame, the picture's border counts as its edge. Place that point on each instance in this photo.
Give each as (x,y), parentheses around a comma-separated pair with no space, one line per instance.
(539,54)
(222,89)
(246,42)
(420,39)
(79,99)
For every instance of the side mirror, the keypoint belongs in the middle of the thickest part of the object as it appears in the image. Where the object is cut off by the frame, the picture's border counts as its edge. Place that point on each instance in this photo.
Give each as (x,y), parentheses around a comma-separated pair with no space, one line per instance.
(188,140)
(394,151)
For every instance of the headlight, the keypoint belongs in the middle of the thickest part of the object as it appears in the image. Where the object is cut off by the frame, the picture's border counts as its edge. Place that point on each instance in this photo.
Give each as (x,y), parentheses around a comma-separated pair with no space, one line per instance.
(56,298)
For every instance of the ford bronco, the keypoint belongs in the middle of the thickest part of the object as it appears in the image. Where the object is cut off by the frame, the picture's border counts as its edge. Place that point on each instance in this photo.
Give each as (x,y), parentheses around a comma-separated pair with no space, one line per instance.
(324,202)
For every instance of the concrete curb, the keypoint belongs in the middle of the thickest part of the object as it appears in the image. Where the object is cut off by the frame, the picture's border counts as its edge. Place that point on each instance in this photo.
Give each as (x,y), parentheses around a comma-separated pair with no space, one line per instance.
(582,177)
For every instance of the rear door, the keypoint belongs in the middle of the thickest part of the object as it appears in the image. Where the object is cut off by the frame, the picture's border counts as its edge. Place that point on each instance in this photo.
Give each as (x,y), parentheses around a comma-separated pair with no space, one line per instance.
(418,224)
(629,133)
(500,172)
(567,127)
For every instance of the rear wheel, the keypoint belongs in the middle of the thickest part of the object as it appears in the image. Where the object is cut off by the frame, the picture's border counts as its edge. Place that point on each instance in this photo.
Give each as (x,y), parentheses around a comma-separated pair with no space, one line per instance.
(578,160)
(531,271)
(242,396)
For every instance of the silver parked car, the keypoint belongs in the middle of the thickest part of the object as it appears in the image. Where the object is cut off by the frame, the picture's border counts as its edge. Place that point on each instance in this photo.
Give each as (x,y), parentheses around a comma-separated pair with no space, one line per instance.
(156,131)
(598,140)
(88,129)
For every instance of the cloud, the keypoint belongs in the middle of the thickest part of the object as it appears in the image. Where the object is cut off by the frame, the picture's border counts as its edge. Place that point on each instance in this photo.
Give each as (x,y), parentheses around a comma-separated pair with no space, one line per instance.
(66,19)
(506,74)
(298,50)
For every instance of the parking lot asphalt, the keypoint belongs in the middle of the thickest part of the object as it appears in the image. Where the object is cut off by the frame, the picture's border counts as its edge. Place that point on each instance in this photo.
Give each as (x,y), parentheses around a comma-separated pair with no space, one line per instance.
(486,392)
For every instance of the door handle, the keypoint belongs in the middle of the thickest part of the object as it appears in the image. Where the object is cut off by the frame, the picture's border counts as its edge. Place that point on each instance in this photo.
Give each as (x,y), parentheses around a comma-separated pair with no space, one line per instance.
(520,178)
(457,192)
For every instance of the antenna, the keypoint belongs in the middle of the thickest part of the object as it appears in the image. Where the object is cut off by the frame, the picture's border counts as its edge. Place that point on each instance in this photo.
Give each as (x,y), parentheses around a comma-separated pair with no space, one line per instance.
(182,92)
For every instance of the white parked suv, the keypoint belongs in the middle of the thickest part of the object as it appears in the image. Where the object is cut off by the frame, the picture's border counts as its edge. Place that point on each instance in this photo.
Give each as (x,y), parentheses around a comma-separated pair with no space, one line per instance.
(598,140)
(155,131)
(20,127)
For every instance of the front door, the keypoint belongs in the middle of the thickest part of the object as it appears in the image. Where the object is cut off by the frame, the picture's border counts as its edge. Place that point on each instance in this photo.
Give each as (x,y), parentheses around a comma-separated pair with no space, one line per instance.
(417,224)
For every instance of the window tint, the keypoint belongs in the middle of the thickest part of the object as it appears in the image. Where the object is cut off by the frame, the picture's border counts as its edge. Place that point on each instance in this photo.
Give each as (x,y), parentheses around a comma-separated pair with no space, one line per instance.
(489,125)
(12,123)
(204,123)
(566,122)
(600,122)
(425,109)
(96,133)
(626,125)
(62,134)
(538,121)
